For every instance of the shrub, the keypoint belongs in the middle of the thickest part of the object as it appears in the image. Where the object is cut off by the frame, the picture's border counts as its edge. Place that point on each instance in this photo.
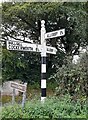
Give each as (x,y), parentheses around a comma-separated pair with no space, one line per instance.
(72,78)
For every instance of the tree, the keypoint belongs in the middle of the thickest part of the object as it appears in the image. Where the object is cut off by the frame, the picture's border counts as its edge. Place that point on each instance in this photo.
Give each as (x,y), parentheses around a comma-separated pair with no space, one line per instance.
(19,22)
(19,65)
(19,19)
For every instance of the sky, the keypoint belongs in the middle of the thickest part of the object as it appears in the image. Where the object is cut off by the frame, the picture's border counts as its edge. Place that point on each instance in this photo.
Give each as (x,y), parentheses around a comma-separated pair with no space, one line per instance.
(44,0)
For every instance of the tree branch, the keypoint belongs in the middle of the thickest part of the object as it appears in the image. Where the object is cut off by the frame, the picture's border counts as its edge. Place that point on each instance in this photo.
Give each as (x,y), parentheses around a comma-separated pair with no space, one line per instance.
(20,17)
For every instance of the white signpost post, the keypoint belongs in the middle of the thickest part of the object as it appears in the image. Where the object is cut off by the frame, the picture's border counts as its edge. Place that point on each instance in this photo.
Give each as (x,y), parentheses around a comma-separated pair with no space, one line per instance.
(45,36)
(20,87)
(42,48)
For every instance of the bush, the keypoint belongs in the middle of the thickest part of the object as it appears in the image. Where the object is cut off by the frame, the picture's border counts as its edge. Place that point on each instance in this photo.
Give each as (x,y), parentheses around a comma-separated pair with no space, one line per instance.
(72,78)
(51,108)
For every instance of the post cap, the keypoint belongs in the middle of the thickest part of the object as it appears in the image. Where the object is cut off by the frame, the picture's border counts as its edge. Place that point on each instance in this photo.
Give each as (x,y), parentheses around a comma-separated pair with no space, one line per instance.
(42,23)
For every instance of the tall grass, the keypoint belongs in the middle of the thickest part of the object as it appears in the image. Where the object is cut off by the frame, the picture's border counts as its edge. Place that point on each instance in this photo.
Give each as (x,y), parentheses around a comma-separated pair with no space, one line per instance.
(51,108)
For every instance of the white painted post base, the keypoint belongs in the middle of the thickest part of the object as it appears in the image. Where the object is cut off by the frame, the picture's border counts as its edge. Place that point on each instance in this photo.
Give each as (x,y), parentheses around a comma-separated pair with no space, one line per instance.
(43,99)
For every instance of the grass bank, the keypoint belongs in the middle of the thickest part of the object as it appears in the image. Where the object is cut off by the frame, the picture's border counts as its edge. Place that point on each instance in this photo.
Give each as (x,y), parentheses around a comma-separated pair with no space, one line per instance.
(62,107)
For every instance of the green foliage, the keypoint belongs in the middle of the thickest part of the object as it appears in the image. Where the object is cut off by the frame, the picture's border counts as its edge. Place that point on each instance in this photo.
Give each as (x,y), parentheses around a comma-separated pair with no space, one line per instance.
(51,108)
(20,65)
(72,78)
(19,20)
(25,15)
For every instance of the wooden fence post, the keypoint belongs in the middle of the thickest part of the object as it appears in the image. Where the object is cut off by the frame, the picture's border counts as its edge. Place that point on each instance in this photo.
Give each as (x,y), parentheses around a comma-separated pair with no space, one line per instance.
(13,96)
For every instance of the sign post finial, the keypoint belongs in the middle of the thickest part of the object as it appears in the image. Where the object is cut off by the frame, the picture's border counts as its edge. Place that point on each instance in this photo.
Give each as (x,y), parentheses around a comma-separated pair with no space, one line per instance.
(42,23)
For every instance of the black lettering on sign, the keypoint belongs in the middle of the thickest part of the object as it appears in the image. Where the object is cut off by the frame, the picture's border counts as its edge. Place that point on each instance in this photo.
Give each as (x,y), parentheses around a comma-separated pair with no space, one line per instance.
(17,47)
(26,48)
(10,42)
(50,49)
(37,49)
(9,46)
(54,34)
(48,35)
(19,44)
(21,48)
(61,32)
(30,48)
(14,43)
(13,48)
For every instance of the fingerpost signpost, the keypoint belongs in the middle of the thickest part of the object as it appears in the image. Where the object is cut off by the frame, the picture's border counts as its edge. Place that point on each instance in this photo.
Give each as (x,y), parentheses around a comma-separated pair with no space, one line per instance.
(42,48)
(22,46)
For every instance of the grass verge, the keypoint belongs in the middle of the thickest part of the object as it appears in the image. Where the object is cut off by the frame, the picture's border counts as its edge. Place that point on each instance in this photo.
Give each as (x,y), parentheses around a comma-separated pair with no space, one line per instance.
(52,108)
